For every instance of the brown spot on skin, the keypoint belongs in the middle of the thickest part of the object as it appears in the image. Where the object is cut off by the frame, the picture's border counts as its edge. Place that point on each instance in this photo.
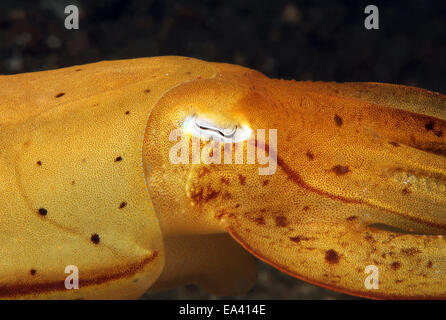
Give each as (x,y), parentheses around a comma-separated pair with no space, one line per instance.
(197,195)
(78,70)
(259,220)
(43,211)
(118,159)
(212,194)
(338,120)
(200,195)
(281,221)
(59,95)
(122,205)
(226,196)
(331,256)
(429,126)
(438,133)
(298,239)
(33,272)
(127,112)
(203,171)
(220,214)
(429,264)
(73,183)
(395,265)
(395,144)
(310,155)
(147,91)
(229,215)
(242,179)
(306,208)
(265,182)
(398,281)
(39,163)
(406,190)
(340,170)
(410,251)
(237,205)
(225,180)
(95,238)
(352,218)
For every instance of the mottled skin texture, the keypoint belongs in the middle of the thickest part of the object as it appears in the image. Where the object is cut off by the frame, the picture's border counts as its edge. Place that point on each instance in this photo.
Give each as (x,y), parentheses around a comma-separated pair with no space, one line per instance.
(87,180)
(71,169)
(360,180)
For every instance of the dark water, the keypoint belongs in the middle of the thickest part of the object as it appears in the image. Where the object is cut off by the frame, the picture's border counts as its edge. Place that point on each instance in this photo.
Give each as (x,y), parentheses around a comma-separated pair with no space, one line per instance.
(304,40)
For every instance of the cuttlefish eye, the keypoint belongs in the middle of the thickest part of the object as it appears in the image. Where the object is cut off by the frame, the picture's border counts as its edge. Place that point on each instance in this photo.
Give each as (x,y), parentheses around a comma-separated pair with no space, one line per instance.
(206,126)
(207,129)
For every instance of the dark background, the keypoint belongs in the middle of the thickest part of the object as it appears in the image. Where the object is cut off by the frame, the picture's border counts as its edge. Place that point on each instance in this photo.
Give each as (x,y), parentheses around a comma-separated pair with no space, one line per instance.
(304,40)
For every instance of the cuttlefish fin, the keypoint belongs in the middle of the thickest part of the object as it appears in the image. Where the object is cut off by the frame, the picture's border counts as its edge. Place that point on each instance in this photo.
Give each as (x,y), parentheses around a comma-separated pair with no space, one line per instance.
(214,262)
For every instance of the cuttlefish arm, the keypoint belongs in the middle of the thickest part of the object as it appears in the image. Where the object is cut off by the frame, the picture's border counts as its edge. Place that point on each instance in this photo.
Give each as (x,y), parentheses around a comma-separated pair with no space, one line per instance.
(360,179)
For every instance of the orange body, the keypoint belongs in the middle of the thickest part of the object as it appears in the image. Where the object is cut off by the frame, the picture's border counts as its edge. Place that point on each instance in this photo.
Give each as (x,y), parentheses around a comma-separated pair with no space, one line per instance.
(357,181)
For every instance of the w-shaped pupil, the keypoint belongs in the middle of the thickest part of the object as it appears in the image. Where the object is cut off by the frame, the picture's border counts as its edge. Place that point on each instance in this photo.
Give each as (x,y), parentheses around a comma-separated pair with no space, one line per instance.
(226,133)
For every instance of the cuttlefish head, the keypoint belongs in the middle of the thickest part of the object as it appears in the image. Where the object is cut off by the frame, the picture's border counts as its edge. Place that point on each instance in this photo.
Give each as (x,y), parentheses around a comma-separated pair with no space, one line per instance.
(326,182)
(213,152)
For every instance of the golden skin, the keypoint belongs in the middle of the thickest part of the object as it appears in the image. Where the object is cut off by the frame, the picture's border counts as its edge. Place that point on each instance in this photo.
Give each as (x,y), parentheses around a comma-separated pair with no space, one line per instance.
(360,181)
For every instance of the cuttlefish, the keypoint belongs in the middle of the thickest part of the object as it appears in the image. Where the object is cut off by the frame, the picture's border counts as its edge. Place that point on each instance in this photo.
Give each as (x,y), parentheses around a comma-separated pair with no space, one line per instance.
(106,193)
